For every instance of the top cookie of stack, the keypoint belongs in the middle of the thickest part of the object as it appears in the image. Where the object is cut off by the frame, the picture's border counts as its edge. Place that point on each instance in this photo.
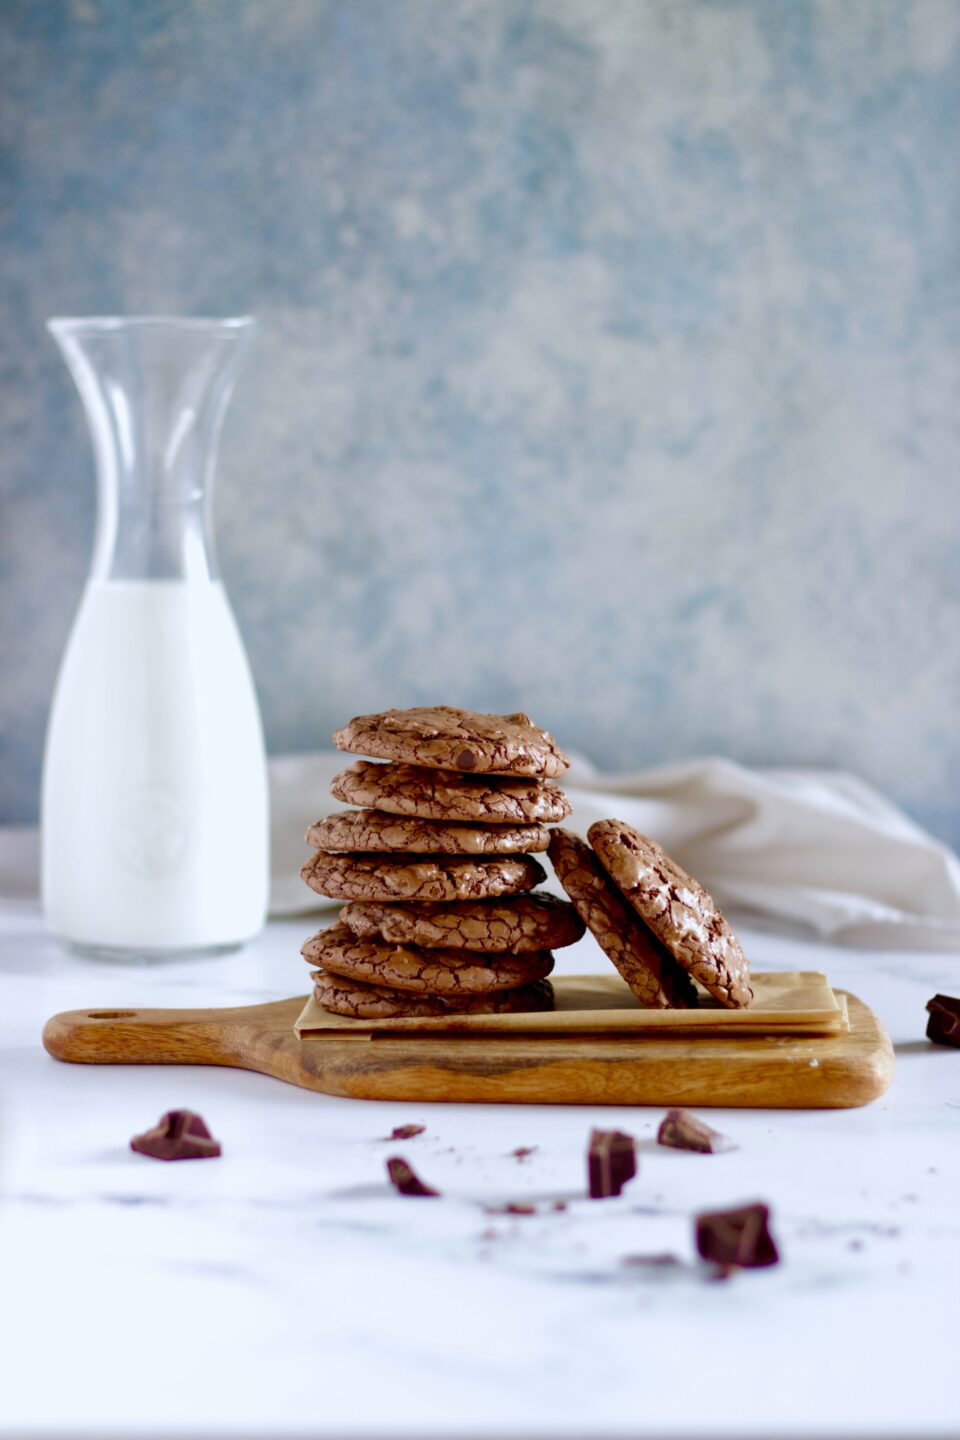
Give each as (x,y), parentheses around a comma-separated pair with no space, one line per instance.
(438,866)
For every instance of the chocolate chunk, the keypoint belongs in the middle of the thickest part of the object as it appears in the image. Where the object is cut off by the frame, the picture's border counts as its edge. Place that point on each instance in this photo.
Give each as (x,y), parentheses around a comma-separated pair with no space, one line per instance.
(681,1130)
(178,1135)
(522,1151)
(406,1132)
(943,1027)
(404,1179)
(611,1162)
(737,1238)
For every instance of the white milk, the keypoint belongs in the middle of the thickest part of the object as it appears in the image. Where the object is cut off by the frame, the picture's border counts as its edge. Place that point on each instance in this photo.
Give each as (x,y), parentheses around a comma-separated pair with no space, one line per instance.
(155,810)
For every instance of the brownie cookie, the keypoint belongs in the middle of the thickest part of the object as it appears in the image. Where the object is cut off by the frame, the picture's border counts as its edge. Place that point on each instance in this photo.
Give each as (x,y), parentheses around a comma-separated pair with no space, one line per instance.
(374,830)
(441,973)
(447,795)
(679,911)
(447,739)
(374,1002)
(647,966)
(433,877)
(525,923)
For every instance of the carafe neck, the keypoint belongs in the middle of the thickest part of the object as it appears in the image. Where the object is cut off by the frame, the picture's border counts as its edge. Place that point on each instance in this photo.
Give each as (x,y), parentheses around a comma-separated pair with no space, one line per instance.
(154,392)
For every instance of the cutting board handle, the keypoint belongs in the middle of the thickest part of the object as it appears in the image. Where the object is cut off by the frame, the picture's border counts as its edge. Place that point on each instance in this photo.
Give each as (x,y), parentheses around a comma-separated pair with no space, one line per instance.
(150,1037)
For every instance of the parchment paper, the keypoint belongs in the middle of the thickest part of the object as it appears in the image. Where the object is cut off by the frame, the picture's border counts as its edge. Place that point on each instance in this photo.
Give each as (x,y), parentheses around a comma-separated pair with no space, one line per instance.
(796,1001)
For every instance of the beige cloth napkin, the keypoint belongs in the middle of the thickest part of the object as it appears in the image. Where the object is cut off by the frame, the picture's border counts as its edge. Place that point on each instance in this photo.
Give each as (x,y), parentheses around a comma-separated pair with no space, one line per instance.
(816,847)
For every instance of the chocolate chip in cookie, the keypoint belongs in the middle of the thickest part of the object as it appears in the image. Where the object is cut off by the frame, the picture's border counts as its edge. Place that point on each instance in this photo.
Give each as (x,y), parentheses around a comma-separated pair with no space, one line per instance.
(679,912)
(518,924)
(446,738)
(434,794)
(647,966)
(374,830)
(443,973)
(373,1002)
(420,877)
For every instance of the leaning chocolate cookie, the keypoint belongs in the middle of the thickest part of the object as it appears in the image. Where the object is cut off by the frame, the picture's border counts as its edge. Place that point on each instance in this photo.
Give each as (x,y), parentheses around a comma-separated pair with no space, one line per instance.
(427,877)
(449,795)
(442,737)
(374,1002)
(375,830)
(520,924)
(431,972)
(647,966)
(681,914)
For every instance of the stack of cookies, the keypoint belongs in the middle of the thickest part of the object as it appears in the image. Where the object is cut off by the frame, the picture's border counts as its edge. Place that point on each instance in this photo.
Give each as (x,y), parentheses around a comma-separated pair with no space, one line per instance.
(438,867)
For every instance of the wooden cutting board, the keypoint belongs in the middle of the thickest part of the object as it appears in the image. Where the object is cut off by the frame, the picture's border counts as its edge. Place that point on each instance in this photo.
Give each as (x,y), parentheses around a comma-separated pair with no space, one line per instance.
(773,1072)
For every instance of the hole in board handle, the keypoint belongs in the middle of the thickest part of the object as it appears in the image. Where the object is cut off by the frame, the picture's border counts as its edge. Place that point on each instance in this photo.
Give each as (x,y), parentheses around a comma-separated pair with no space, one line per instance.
(110,1014)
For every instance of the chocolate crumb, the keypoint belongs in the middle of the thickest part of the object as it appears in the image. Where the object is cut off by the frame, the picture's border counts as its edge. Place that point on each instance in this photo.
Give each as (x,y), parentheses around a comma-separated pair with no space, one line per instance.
(664,1261)
(514,1207)
(611,1162)
(522,1151)
(736,1238)
(406,1180)
(560,1205)
(178,1135)
(405,1132)
(681,1130)
(943,1027)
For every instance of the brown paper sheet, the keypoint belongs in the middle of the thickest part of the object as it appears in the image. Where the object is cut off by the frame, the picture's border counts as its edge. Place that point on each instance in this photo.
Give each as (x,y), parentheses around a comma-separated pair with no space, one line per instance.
(792,1002)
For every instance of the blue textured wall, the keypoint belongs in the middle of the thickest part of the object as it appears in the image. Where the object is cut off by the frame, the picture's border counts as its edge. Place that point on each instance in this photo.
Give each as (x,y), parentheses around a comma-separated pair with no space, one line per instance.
(610,362)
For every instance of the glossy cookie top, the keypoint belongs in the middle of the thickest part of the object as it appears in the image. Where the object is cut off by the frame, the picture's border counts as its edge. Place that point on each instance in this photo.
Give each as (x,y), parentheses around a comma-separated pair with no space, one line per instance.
(649,969)
(681,914)
(420,877)
(519,923)
(430,972)
(433,794)
(360,1001)
(442,737)
(407,834)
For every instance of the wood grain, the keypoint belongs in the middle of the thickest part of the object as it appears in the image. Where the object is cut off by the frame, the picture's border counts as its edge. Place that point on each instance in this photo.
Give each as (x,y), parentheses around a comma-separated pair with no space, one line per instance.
(780,1072)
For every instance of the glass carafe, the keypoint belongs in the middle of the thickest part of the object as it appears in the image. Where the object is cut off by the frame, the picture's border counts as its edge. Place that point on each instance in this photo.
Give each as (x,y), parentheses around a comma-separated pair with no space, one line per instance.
(154,808)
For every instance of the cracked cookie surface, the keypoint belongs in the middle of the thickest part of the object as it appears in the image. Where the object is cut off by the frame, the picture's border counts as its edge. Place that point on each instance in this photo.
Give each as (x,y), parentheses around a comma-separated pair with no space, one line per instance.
(449,795)
(375,830)
(441,973)
(652,973)
(427,877)
(443,737)
(372,1002)
(520,924)
(681,914)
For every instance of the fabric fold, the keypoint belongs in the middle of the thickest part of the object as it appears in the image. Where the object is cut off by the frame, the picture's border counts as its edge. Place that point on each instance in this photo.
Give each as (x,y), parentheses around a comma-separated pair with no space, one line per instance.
(817,848)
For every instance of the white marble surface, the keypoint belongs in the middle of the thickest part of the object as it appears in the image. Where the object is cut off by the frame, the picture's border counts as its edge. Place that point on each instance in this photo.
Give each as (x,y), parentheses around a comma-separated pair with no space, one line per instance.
(285,1290)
